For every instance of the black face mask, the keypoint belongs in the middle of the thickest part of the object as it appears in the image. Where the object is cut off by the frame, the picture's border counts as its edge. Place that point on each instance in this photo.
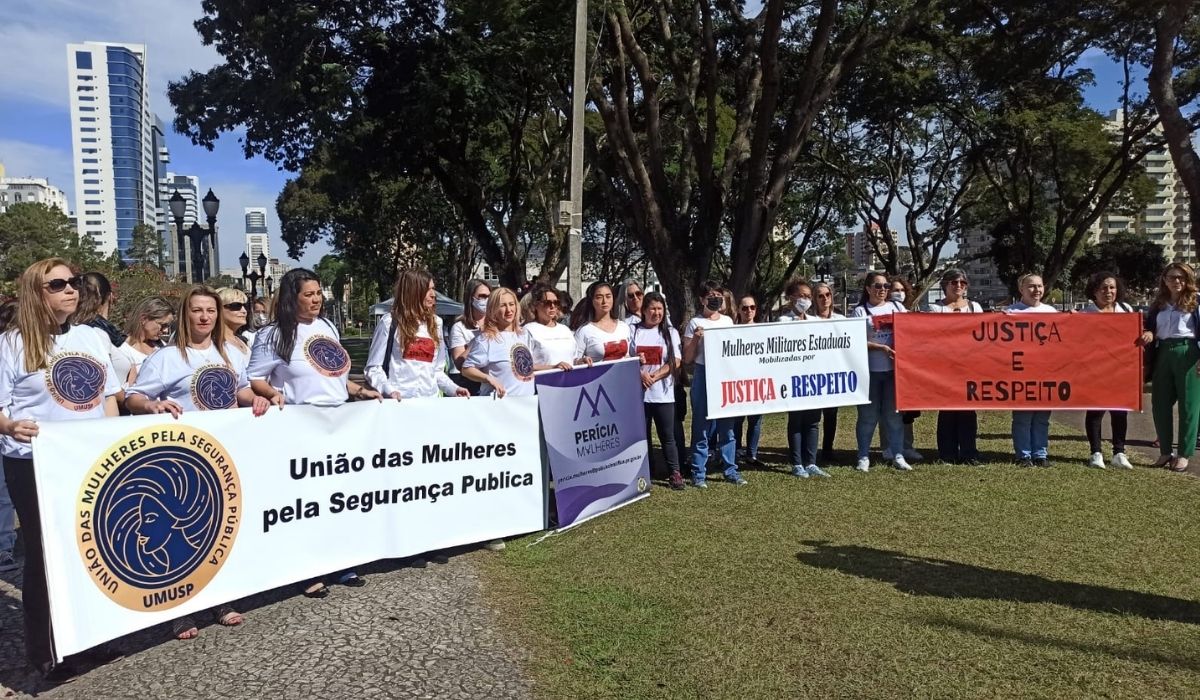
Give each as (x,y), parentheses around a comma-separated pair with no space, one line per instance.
(713,303)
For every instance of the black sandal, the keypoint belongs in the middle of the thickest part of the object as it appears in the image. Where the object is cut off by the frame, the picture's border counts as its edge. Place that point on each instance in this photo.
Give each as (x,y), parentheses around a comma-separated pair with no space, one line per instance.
(352,581)
(322,592)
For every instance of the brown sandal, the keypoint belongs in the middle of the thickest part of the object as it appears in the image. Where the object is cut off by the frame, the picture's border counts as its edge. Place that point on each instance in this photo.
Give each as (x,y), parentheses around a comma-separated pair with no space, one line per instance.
(228,617)
(184,629)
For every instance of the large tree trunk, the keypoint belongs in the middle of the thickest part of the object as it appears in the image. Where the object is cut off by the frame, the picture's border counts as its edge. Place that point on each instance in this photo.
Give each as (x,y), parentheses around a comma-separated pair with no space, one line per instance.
(1162,90)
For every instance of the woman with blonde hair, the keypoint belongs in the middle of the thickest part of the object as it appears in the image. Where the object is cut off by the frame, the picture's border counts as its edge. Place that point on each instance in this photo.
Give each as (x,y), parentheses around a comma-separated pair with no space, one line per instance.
(1172,328)
(235,314)
(501,356)
(146,328)
(36,349)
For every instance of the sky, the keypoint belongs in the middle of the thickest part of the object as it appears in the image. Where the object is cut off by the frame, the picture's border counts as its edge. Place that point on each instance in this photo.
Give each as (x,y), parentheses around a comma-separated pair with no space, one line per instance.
(35,136)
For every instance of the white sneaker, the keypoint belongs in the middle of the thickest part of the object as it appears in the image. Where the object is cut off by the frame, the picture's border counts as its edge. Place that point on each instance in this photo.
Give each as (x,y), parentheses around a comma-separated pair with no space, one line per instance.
(913,456)
(1097,460)
(1120,461)
(494,546)
(814,470)
(900,463)
(864,464)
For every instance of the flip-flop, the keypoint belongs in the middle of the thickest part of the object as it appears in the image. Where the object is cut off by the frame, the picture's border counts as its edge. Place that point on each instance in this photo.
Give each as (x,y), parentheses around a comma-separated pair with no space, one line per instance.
(184,629)
(228,617)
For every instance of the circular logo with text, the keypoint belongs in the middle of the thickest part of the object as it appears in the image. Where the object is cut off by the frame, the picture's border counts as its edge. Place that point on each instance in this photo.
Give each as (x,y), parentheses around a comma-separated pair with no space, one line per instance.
(75,381)
(157,516)
(642,484)
(326,355)
(214,387)
(522,362)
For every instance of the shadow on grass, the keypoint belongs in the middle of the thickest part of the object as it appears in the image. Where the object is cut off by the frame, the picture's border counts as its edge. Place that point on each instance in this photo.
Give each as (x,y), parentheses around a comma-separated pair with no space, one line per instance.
(948,579)
(1042,640)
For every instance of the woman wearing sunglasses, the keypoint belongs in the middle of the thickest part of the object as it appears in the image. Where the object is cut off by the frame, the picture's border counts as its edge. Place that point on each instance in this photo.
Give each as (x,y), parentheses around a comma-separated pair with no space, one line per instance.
(555,342)
(822,308)
(747,430)
(878,310)
(36,350)
(203,372)
(1172,327)
(632,296)
(957,431)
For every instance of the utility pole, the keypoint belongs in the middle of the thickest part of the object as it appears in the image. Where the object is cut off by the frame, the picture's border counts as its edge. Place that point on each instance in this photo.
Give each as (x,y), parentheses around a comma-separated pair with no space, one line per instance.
(578,95)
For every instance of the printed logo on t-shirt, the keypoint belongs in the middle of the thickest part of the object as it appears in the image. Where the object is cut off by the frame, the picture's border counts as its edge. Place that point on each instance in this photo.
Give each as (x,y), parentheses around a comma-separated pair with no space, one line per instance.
(326,356)
(75,381)
(883,324)
(420,349)
(652,355)
(214,387)
(615,349)
(522,362)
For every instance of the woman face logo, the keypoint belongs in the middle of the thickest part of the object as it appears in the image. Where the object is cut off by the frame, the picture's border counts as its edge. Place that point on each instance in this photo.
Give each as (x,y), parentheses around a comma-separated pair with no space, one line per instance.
(522,362)
(75,381)
(155,525)
(326,356)
(214,387)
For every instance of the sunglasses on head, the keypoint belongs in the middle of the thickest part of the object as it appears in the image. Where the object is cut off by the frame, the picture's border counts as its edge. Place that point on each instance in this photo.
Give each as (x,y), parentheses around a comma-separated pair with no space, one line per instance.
(57,285)
(237,306)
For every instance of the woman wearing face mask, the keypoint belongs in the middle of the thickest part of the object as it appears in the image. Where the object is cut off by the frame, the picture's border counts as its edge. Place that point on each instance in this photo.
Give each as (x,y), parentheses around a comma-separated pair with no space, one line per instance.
(721,429)
(902,293)
(1172,325)
(1031,429)
(822,308)
(657,344)
(302,352)
(555,342)
(747,430)
(803,426)
(467,327)
(37,342)
(1107,293)
(146,329)
(206,374)
(878,310)
(957,431)
(599,335)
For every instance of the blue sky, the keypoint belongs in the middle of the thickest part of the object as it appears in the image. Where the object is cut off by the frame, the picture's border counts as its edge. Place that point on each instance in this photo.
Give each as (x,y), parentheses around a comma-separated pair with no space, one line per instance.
(35,137)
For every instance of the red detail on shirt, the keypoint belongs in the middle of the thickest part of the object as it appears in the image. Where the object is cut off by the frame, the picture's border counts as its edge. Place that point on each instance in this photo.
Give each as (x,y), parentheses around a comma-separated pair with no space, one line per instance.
(616,349)
(883,323)
(420,349)
(653,355)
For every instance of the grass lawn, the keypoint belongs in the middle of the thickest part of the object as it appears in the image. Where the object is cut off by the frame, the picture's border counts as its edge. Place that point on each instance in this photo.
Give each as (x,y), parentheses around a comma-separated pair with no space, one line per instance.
(944,582)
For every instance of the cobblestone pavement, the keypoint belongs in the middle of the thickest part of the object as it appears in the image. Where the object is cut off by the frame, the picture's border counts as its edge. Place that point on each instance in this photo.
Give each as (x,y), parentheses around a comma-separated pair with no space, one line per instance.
(410,633)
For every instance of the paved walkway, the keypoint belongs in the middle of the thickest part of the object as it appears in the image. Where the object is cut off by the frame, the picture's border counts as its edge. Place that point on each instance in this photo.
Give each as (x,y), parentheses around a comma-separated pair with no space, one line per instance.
(410,633)
(1139,441)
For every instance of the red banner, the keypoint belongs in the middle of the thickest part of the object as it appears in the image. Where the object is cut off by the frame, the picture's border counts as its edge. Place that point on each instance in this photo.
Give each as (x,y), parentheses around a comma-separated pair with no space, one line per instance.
(1005,362)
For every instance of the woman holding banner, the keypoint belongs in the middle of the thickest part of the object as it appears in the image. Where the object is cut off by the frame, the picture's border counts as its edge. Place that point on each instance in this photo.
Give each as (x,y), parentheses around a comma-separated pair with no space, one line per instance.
(1107,293)
(467,326)
(878,310)
(657,344)
(599,335)
(704,431)
(803,426)
(822,307)
(207,373)
(302,352)
(957,431)
(147,327)
(746,441)
(1031,429)
(903,293)
(1173,326)
(37,348)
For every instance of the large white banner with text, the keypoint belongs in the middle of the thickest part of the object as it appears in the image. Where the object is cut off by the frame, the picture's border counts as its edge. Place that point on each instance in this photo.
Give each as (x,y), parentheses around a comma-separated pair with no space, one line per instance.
(146,519)
(787,366)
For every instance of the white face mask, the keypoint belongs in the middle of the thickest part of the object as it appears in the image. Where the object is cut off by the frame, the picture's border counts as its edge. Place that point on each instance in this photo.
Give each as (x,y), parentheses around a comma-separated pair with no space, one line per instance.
(802,305)
(897,297)
(479,305)
(260,319)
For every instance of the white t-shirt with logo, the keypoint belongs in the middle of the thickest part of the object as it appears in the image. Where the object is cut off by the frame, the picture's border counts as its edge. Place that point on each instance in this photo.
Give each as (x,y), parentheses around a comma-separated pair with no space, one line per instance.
(317,372)
(77,378)
(417,371)
(598,344)
(461,336)
(941,307)
(650,345)
(555,343)
(879,330)
(508,357)
(689,332)
(202,382)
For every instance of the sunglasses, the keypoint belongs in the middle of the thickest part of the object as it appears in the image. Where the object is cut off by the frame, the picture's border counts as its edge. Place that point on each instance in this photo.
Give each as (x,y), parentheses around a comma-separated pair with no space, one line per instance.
(57,285)
(237,306)
(881,286)
(549,303)
(749,308)
(1169,278)
(634,295)
(824,295)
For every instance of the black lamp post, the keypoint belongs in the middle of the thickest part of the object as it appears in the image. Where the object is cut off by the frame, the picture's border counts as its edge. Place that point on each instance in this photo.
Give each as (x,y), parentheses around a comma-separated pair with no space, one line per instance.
(178,207)
(270,286)
(824,269)
(211,206)
(197,236)
(244,261)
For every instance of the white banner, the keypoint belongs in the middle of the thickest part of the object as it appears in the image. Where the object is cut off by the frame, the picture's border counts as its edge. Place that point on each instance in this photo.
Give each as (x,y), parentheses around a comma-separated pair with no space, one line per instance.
(787,366)
(146,519)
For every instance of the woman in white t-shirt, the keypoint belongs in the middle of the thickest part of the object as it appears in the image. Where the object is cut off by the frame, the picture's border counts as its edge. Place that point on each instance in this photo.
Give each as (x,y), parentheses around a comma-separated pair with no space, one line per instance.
(146,329)
(235,314)
(1107,293)
(747,430)
(203,372)
(467,327)
(407,359)
(657,344)
(555,341)
(957,431)
(599,334)
(822,308)
(1031,429)
(49,371)
(501,356)
(633,298)
(704,431)
(878,310)
(302,352)
(803,426)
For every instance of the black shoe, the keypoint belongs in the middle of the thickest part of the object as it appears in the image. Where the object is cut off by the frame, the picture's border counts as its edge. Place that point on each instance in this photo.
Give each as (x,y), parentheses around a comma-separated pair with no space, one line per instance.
(417,563)
(438,558)
(1041,462)
(1025,463)
(322,592)
(353,581)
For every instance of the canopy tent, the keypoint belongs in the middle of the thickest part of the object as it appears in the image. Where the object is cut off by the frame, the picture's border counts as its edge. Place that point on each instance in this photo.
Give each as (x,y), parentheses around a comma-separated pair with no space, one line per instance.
(445,307)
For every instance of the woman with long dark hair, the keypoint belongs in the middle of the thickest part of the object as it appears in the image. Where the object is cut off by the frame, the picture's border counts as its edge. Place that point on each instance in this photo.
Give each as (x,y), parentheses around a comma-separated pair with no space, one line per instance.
(657,344)
(301,352)
(747,430)
(38,347)
(957,431)
(95,302)
(1107,292)
(1172,325)
(718,431)
(475,300)
(878,310)
(599,335)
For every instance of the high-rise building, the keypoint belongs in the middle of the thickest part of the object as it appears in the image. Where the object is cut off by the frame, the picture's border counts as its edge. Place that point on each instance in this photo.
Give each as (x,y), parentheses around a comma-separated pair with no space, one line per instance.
(258,241)
(162,156)
(34,190)
(113,141)
(859,250)
(179,261)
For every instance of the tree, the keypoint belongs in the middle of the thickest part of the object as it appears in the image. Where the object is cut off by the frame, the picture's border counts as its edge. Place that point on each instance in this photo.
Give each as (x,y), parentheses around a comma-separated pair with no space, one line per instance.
(1136,259)
(145,248)
(30,232)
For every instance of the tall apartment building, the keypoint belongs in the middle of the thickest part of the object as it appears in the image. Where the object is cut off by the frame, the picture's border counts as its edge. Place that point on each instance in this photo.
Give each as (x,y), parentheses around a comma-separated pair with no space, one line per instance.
(859,250)
(34,190)
(179,261)
(258,241)
(113,141)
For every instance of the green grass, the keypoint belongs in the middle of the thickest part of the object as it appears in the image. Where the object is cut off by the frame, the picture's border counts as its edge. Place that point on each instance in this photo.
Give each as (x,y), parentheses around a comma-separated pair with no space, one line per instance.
(945,582)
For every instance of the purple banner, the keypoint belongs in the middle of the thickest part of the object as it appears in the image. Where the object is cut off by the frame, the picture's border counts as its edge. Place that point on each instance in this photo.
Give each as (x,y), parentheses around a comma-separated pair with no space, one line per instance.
(595,432)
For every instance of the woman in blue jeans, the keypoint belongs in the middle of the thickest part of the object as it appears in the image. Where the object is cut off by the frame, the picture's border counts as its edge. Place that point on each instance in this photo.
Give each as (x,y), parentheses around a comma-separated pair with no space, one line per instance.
(1031,429)
(704,431)
(878,311)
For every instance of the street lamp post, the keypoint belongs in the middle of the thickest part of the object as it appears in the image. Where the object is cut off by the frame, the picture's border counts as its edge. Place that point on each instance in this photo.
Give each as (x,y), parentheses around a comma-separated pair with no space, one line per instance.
(197,236)
(270,286)
(178,207)
(244,261)
(211,206)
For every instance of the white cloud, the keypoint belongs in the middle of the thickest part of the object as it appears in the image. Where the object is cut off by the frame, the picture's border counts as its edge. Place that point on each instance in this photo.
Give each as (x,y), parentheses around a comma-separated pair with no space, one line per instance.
(23,159)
